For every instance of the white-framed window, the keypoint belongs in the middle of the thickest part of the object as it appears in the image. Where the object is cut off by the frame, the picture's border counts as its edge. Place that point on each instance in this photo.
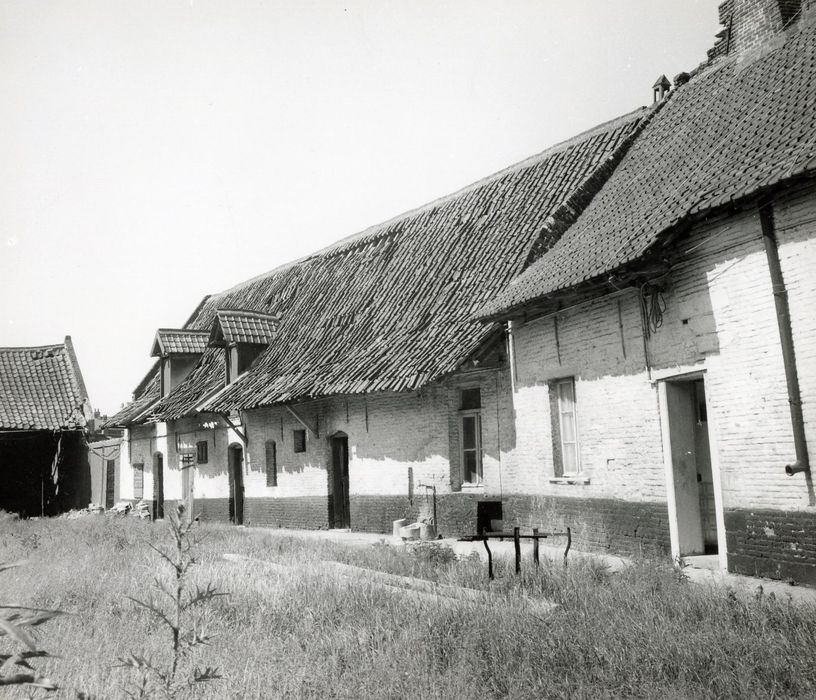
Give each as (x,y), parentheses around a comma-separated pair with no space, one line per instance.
(470,435)
(566,455)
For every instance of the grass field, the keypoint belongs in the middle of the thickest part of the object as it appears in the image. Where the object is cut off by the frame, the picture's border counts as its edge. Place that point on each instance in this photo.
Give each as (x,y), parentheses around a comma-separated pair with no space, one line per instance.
(297,629)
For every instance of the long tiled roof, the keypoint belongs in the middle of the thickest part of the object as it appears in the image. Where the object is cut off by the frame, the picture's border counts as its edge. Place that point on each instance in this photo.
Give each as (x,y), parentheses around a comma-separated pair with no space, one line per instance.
(41,388)
(234,326)
(176,341)
(737,129)
(150,393)
(391,308)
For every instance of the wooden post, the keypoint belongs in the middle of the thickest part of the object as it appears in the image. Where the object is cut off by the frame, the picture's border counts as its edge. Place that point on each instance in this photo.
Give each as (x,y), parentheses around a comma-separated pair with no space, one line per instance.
(535,546)
(517,547)
(569,544)
(489,559)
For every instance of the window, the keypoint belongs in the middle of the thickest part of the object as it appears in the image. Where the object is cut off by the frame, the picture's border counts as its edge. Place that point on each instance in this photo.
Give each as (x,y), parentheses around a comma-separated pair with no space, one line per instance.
(470,434)
(564,427)
(138,480)
(271,463)
(201,452)
(299,440)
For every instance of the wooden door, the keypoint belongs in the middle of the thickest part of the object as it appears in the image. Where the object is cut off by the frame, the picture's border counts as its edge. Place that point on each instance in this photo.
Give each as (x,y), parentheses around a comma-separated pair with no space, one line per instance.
(236,459)
(158,486)
(340,482)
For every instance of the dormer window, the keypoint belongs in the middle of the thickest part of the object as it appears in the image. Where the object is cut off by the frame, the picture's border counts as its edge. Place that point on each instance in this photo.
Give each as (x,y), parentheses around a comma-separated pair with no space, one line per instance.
(244,335)
(179,351)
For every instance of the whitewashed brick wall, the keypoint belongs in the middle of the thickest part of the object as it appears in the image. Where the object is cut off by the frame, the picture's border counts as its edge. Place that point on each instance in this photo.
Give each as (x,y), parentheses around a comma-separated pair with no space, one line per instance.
(617,414)
(720,317)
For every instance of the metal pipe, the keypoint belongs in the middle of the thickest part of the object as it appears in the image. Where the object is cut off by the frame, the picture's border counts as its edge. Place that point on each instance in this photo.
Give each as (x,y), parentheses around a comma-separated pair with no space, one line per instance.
(511,353)
(780,293)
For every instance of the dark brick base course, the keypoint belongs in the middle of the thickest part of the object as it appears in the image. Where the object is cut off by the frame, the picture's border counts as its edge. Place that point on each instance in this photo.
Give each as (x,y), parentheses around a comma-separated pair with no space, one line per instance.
(308,512)
(601,525)
(772,543)
(598,525)
(455,512)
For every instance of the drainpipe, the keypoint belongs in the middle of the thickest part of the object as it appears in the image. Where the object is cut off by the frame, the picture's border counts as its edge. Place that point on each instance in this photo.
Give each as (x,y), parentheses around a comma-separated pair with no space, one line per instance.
(766,218)
(511,356)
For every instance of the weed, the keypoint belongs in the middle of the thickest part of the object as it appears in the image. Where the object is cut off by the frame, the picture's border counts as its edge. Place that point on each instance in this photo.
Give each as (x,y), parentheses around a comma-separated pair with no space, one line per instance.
(16,668)
(174,609)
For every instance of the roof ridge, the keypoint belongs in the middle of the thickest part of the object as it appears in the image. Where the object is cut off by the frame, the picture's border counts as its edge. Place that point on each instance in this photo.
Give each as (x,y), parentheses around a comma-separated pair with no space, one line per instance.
(359,236)
(181,330)
(17,348)
(232,310)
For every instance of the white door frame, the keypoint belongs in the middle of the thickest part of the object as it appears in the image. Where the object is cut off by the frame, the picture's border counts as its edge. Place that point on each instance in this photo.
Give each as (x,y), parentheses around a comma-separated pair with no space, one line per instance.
(668,466)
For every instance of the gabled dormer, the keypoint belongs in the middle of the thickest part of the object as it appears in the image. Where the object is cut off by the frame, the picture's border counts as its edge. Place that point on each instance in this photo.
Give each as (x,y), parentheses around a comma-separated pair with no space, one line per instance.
(244,335)
(178,351)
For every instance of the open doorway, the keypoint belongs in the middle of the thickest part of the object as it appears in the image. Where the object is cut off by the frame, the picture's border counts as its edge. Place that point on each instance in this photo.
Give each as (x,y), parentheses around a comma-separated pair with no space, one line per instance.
(158,486)
(691,476)
(339,513)
(236,484)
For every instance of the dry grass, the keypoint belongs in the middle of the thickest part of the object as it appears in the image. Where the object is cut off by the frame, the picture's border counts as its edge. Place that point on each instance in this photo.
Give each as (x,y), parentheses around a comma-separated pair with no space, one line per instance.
(303,632)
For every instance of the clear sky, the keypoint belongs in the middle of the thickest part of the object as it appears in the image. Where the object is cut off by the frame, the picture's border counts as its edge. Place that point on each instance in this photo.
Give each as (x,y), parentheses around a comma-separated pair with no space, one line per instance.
(156,151)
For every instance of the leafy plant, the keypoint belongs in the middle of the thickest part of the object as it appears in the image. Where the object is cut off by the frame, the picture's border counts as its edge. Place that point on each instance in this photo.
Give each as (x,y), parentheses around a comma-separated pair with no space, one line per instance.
(15,668)
(175,609)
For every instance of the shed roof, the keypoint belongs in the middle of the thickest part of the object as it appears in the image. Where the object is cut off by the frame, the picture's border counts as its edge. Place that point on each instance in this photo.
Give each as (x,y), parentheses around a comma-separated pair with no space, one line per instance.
(736,130)
(178,341)
(233,326)
(391,308)
(41,388)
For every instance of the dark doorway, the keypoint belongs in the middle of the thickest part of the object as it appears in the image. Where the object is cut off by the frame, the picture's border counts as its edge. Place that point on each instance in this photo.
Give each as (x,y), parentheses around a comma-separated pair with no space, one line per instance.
(236,482)
(110,483)
(340,511)
(158,486)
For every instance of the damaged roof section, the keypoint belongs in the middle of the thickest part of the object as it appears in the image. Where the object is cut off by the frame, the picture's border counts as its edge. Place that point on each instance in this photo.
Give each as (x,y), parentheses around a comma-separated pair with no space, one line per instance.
(391,308)
(41,388)
(734,131)
(234,327)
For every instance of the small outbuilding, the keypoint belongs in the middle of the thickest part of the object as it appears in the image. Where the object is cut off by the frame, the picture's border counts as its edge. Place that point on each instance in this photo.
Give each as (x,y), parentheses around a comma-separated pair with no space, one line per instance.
(44,413)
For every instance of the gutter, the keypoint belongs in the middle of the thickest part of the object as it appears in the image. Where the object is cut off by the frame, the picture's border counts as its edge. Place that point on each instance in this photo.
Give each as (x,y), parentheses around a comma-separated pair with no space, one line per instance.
(780,293)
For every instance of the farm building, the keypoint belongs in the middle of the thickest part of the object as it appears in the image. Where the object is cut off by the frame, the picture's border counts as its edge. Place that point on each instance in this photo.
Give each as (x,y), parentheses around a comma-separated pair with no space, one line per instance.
(44,410)
(665,346)
(612,335)
(341,389)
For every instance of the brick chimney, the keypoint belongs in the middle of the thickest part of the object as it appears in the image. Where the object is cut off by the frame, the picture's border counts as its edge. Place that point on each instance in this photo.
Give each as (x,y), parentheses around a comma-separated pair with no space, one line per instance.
(751,23)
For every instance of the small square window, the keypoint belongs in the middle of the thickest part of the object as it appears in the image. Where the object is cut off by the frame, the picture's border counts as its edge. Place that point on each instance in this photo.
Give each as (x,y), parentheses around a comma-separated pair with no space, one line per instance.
(138,481)
(201,452)
(299,440)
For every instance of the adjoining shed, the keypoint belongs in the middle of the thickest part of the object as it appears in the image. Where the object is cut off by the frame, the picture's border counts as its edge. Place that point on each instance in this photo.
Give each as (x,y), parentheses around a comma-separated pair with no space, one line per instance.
(44,412)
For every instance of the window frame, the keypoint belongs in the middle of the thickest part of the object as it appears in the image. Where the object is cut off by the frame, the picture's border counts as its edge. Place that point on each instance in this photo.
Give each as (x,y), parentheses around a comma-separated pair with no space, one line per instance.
(206,452)
(478,449)
(298,444)
(273,472)
(560,445)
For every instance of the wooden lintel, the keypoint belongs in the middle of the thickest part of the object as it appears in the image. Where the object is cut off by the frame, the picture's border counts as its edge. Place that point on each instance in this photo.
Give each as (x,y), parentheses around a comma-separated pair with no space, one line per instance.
(302,421)
(240,433)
